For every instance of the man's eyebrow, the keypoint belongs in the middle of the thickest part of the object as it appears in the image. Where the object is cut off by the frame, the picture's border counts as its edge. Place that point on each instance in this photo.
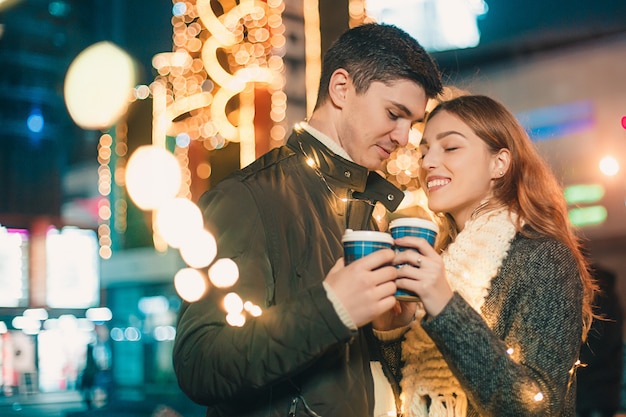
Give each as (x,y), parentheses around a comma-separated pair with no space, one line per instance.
(404,109)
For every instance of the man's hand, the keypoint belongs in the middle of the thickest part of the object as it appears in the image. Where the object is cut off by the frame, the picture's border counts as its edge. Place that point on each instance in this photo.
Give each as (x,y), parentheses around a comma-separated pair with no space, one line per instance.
(366,287)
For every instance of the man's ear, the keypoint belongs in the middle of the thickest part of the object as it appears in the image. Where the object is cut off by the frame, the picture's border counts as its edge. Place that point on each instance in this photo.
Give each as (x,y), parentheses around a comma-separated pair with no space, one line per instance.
(338,87)
(501,163)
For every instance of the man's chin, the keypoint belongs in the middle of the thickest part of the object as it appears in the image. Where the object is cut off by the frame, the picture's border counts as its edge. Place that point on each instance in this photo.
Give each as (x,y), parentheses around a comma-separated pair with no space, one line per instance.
(373,163)
(374,167)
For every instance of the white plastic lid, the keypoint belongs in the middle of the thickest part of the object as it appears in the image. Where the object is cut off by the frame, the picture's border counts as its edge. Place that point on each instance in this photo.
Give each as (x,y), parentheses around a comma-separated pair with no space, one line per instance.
(414,222)
(366,235)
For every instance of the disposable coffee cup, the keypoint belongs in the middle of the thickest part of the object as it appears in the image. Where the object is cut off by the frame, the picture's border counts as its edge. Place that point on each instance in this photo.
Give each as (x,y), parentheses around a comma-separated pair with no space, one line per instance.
(360,243)
(417,227)
(414,226)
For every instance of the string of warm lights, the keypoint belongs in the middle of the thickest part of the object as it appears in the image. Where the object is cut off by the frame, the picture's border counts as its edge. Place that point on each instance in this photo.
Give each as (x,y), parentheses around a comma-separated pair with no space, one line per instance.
(105,181)
(313,52)
(198,90)
(205,91)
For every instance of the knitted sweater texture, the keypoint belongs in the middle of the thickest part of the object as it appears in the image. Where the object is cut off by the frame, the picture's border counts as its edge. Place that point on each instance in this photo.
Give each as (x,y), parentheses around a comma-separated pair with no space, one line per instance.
(516,357)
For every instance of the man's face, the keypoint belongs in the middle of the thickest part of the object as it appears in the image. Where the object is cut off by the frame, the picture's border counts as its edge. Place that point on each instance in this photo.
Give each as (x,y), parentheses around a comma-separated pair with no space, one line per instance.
(373,124)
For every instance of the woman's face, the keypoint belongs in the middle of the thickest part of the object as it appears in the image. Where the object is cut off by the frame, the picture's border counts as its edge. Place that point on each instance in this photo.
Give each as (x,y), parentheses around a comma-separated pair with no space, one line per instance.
(456,168)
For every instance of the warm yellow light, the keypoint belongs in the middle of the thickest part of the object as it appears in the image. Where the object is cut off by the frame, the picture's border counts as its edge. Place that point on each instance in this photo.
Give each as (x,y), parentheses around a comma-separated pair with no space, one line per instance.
(235,319)
(233,303)
(609,166)
(190,284)
(152,177)
(199,250)
(253,309)
(203,170)
(224,273)
(99,85)
(177,220)
(187,104)
(313,52)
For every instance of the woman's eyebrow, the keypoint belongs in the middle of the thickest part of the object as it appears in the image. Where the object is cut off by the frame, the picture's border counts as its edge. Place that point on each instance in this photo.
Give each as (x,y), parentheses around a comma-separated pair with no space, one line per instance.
(442,135)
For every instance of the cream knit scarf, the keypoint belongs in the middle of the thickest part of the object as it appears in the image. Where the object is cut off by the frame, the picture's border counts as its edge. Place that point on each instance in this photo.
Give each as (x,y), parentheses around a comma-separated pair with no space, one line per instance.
(471,261)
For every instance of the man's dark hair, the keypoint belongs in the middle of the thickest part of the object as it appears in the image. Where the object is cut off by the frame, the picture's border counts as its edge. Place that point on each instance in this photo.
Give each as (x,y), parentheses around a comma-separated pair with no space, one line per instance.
(379,52)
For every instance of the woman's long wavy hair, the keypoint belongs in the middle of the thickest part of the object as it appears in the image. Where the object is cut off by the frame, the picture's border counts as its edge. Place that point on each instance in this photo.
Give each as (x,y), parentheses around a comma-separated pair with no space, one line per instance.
(529,187)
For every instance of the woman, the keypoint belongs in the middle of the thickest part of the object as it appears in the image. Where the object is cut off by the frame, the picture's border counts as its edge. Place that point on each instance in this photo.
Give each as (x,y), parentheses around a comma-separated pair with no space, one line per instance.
(506,295)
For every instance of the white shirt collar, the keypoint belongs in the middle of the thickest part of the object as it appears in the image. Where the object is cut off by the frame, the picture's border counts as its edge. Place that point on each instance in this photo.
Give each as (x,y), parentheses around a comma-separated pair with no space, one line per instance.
(326,141)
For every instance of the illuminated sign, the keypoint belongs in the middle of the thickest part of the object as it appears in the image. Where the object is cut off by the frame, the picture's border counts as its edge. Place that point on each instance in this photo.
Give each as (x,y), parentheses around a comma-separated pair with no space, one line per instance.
(13,267)
(583,193)
(438,25)
(588,216)
(554,122)
(73,268)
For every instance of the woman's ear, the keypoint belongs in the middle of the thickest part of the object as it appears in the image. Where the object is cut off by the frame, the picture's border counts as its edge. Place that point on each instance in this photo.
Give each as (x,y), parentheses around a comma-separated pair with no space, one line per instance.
(501,163)
(338,87)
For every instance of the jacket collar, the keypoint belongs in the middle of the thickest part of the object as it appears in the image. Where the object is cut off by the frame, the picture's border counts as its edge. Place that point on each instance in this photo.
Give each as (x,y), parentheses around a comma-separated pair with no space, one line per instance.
(366,185)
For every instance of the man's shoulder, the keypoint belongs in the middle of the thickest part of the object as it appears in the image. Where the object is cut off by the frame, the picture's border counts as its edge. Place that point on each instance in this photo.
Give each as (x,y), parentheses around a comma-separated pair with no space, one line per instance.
(266,171)
(270,160)
(270,173)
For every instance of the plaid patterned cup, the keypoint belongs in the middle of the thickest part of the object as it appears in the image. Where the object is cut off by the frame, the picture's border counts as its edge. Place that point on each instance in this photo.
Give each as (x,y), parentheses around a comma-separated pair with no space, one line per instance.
(412,226)
(359,243)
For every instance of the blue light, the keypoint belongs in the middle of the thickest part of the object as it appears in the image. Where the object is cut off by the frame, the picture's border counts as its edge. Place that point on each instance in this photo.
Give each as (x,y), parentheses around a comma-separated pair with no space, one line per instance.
(554,122)
(59,8)
(179,9)
(35,121)
(183,140)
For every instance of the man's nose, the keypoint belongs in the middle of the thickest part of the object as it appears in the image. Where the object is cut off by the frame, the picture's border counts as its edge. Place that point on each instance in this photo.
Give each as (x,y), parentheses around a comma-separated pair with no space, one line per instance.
(400,134)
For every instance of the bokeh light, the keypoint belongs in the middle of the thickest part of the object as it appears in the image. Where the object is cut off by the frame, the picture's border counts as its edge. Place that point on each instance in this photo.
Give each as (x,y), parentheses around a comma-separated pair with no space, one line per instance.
(233,303)
(252,308)
(199,250)
(235,319)
(35,121)
(153,177)
(177,220)
(609,166)
(224,273)
(98,85)
(190,284)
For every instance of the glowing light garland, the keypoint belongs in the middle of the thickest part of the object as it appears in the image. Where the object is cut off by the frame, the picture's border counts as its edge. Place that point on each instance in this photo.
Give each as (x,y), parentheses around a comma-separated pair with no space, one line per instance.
(216,60)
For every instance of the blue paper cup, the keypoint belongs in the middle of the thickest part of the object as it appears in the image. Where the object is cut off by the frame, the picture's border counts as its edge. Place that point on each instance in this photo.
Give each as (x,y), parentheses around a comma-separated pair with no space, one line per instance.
(412,226)
(360,243)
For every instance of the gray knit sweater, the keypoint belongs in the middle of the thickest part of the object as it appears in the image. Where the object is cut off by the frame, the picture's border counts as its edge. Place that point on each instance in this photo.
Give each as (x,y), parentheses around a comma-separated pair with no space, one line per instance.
(534,304)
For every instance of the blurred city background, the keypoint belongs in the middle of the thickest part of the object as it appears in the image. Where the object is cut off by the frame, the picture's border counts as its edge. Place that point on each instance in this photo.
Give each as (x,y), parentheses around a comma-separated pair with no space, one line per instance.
(99,99)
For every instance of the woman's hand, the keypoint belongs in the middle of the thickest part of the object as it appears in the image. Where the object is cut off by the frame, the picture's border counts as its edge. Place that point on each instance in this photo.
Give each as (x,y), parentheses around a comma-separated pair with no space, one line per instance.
(422,271)
(400,315)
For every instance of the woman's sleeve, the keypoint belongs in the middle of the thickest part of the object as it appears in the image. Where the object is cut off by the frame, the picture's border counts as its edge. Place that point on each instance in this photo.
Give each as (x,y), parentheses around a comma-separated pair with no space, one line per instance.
(528,370)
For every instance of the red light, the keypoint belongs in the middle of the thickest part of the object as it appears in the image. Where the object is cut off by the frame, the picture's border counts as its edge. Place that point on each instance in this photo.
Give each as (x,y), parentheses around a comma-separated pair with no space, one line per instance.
(624,122)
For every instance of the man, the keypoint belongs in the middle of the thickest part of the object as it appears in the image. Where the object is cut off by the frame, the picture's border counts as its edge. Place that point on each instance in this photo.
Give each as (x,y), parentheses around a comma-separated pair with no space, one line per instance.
(281,220)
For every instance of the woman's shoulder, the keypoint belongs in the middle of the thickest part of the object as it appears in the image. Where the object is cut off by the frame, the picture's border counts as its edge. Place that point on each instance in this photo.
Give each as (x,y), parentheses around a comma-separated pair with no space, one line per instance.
(541,257)
(531,245)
